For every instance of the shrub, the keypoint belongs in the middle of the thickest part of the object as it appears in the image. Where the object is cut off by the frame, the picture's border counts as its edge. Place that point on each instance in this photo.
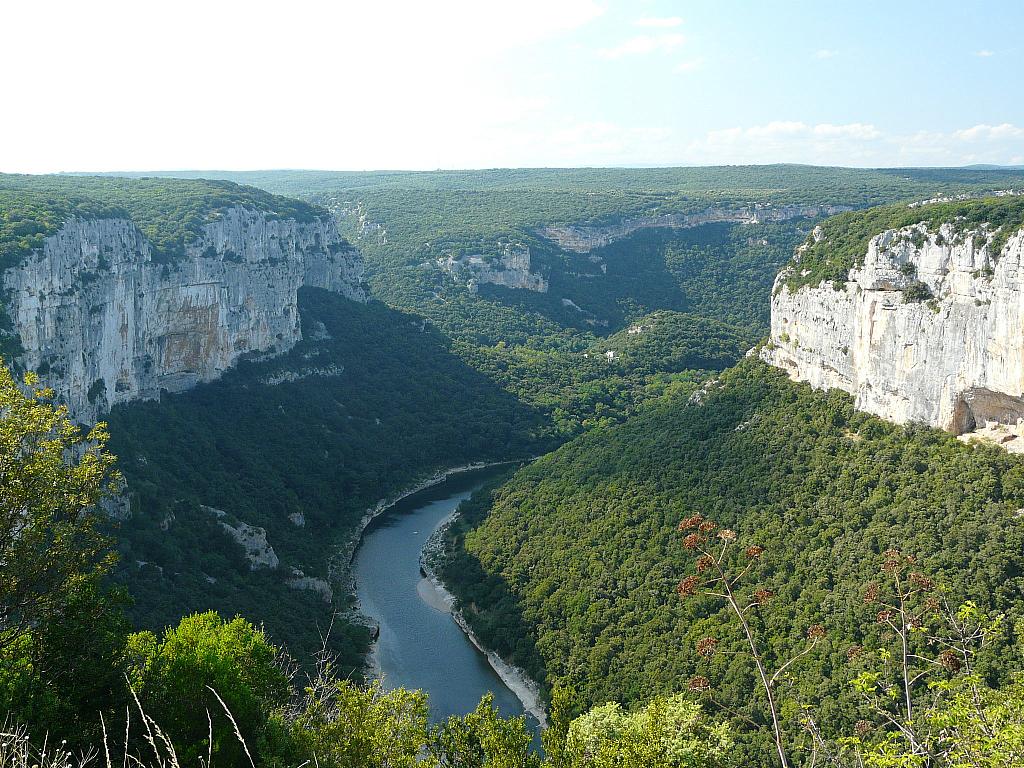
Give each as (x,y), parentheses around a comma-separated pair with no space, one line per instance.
(176,678)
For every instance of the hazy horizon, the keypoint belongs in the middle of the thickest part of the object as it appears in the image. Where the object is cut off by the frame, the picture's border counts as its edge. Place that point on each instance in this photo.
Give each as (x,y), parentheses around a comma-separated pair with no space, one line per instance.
(462,85)
(482,169)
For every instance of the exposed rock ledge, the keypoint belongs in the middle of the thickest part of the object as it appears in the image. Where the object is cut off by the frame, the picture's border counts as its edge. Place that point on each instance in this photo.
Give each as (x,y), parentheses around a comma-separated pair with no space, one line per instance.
(251,538)
(511,269)
(321,587)
(104,323)
(583,239)
(953,361)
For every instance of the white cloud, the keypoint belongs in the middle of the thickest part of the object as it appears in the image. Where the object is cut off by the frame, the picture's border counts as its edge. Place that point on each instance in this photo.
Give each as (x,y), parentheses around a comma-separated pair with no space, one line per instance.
(826,53)
(985,132)
(690,65)
(856,144)
(860,131)
(659,22)
(644,44)
(337,85)
(984,53)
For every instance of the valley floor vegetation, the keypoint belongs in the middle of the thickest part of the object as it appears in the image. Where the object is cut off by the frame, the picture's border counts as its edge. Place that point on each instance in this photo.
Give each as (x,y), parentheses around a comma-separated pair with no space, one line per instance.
(718,568)
(80,688)
(575,570)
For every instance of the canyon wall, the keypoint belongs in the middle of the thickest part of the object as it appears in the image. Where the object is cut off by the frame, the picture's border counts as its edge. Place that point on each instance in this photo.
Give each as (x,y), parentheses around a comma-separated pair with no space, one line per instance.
(583,238)
(929,329)
(511,269)
(105,323)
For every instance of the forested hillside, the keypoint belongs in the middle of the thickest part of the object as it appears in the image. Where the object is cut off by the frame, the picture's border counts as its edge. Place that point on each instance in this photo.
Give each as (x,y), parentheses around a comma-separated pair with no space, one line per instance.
(504,373)
(571,568)
(370,402)
(531,343)
(402,221)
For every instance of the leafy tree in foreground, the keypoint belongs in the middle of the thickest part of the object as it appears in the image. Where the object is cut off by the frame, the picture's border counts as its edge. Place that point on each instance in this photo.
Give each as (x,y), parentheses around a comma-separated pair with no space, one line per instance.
(983,728)
(61,633)
(49,544)
(670,732)
(338,724)
(482,739)
(927,703)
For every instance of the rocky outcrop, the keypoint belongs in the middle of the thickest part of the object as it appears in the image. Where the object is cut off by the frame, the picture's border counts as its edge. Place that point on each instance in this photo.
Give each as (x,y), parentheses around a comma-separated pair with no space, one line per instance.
(251,538)
(105,323)
(929,329)
(356,217)
(302,582)
(327,371)
(511,269)
(583,239)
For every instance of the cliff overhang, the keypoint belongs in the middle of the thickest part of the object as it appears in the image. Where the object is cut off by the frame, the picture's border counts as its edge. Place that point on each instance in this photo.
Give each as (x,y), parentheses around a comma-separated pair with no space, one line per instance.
(104,322)
(928,329)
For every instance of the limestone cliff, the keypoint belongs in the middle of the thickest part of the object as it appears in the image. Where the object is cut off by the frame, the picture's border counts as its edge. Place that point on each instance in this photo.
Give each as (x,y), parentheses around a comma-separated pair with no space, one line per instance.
(583,239)
(511,269)
(357,218)
(105,323)
(930,328)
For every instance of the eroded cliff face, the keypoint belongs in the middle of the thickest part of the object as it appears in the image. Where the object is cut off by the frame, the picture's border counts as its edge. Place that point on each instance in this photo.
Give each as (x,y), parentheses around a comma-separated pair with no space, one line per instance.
(511,269)
(583,239)
(104,323)
(953,360)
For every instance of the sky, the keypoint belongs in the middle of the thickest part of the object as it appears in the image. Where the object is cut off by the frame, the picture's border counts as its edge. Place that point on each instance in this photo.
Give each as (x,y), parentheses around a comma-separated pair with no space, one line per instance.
(381,84)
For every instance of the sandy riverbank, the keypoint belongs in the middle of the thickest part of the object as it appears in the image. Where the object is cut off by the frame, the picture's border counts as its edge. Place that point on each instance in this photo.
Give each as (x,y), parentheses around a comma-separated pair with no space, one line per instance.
(515,679)
(434,593)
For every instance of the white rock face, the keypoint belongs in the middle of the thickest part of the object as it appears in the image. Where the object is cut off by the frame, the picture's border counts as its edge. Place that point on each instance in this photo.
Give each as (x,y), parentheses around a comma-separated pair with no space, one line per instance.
(955,362)
(359,217)
(105,323)
(327,371)
(511,270)
(251,538)
(583,239)
(320,586)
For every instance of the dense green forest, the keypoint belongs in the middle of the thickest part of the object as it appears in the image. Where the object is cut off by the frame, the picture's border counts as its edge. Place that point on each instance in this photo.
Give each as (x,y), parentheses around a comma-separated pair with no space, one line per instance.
(78,688)
(504,373)
(397,404)
(721,271)
(380,404)
(570,569)
(487,202)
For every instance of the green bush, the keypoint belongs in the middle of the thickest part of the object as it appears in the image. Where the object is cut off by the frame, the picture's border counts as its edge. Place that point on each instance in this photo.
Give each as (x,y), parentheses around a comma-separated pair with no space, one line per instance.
(668,732)
(179,676)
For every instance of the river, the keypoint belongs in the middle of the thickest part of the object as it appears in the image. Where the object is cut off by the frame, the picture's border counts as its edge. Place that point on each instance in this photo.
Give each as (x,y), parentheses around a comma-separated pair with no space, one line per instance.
(420,645)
